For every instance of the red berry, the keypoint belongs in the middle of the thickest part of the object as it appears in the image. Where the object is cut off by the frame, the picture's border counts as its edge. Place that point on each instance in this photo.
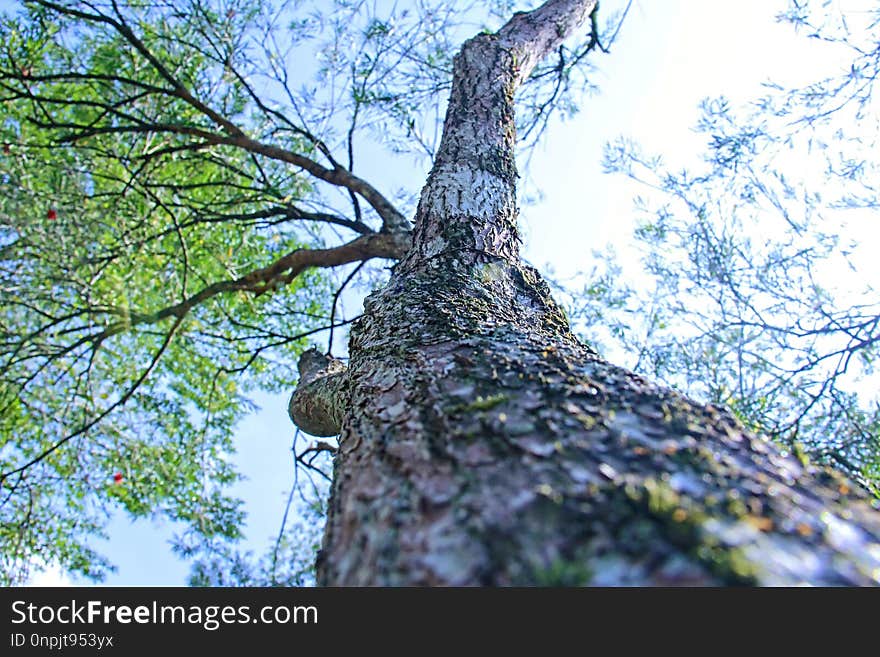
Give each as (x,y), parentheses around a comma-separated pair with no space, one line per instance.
(51,215)
(117,478)
(6,149)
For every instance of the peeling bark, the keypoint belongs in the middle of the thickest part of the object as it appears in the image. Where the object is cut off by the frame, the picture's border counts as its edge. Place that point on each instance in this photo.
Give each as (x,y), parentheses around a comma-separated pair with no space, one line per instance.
(482,443)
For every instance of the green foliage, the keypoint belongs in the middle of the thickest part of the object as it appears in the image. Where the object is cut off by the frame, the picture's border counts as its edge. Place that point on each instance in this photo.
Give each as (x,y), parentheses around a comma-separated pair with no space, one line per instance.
(102,231)
(291,562)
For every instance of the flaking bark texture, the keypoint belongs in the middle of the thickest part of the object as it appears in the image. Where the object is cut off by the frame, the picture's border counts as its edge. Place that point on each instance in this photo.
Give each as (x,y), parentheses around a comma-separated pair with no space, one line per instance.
(482,443)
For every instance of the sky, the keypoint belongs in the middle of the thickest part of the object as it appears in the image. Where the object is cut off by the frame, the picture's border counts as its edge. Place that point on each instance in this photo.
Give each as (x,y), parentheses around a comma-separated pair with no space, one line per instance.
(668,56)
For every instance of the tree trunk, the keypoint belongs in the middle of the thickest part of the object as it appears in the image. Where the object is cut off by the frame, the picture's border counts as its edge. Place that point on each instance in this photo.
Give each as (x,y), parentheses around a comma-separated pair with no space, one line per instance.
(482,443)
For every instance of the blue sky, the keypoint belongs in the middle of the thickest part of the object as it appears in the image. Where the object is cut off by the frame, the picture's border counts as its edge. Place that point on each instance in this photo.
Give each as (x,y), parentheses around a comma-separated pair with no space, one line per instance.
(668,57)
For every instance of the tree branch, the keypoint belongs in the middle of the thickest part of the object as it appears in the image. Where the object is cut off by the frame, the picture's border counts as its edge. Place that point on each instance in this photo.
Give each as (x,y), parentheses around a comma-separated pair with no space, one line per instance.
(534,35)
(279,273)
(392,219)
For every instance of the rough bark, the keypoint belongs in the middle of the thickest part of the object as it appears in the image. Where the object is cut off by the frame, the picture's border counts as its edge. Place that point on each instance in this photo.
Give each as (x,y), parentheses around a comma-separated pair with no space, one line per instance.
(482,443)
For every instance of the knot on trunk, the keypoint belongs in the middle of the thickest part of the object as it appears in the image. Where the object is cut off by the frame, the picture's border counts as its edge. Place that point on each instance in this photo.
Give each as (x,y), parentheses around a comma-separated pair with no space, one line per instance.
(318,404)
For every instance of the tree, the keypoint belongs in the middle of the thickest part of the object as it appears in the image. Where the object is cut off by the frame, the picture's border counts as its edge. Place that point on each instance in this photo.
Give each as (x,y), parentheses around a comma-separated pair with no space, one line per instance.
(135,151)
(479,440)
